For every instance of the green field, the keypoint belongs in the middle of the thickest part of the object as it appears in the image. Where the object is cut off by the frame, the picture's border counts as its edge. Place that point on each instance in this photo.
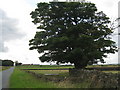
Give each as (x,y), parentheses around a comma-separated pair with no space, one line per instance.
(44,67)
(114,72)
(60,66)
(50,71)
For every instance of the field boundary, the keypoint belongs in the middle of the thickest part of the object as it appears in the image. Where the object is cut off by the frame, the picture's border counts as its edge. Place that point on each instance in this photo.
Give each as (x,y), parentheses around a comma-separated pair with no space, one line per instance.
(45,69)
(94,68)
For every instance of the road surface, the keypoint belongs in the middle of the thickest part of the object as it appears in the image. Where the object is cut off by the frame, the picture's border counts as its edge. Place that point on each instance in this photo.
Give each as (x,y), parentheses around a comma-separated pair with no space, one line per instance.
(5,77)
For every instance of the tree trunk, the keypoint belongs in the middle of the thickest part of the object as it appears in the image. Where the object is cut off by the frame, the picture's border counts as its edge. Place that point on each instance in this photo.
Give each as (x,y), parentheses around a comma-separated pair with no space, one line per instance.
(80,65)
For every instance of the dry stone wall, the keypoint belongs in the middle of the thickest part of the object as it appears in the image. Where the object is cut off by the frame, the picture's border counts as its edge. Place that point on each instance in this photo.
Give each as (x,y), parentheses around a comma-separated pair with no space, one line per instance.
(97,79)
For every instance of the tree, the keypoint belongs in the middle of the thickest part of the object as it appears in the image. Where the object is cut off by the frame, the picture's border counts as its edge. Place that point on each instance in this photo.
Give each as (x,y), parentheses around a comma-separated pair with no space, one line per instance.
(71,32)
(7,63)
(17,63)
(0,62)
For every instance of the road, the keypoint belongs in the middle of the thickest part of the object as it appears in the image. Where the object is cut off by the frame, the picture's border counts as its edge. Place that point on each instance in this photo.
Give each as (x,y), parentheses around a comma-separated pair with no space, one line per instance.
(5,77)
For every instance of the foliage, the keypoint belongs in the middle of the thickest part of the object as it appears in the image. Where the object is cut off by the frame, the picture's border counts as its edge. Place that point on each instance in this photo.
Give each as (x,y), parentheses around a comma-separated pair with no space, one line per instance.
(71,32)
(17,63)
(7,62)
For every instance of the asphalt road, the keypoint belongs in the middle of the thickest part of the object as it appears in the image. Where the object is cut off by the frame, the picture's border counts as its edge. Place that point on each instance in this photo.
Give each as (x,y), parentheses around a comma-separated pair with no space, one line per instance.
(5,77)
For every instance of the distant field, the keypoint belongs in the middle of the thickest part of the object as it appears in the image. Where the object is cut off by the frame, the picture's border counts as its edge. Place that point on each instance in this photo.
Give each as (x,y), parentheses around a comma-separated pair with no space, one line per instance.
(52,72)
(114,72)
(45,67)
(103,66)
(60,66)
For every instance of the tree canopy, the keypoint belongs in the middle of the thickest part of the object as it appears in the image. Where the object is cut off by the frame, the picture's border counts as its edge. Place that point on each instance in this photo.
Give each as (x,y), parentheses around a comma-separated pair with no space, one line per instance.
(6,62)
(72,32)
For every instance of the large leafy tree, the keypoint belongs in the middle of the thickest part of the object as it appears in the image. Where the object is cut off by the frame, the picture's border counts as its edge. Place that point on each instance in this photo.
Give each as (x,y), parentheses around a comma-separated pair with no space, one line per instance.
(71,32)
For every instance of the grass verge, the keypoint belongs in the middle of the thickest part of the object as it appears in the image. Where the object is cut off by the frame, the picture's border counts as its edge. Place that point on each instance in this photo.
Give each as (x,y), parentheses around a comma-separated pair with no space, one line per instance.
(21,79)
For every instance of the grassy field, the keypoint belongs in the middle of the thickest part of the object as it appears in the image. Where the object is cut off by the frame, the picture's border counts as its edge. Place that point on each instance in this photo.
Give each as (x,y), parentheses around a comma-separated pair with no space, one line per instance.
(60,66)
(114,72)
(44,67)
(102,66)
(50,71)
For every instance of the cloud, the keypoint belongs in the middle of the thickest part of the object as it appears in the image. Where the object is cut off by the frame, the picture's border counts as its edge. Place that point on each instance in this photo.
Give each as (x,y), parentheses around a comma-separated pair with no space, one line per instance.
(8,30)
(2,47)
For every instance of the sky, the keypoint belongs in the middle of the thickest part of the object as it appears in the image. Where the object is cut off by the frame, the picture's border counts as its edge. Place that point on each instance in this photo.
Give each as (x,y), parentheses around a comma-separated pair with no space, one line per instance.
(16,29)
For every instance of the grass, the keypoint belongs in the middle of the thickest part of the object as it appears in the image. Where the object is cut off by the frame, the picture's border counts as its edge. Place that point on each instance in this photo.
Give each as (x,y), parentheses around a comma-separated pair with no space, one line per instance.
(114,72)
(50,71)
(21,79)
(0,68)
(4,67)
(45,67)
(89,66)
(60,66)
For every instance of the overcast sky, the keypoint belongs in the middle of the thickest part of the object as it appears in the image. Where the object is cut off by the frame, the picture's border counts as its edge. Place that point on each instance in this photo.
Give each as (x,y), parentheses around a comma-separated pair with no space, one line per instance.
(16,28)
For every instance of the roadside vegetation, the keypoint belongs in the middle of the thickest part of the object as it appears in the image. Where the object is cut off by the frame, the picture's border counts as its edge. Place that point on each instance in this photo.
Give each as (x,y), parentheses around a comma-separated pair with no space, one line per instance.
(27,80)
(4,67)
(21,79)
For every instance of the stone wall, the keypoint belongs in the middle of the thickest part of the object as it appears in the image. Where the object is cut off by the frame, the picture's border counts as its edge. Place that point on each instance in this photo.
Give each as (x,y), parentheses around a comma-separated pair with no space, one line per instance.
(97,79)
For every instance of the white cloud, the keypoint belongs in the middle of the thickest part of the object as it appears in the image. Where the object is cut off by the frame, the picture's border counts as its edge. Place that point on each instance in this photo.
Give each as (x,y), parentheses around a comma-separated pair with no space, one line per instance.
(109,7)
(8,30)
(19,49)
